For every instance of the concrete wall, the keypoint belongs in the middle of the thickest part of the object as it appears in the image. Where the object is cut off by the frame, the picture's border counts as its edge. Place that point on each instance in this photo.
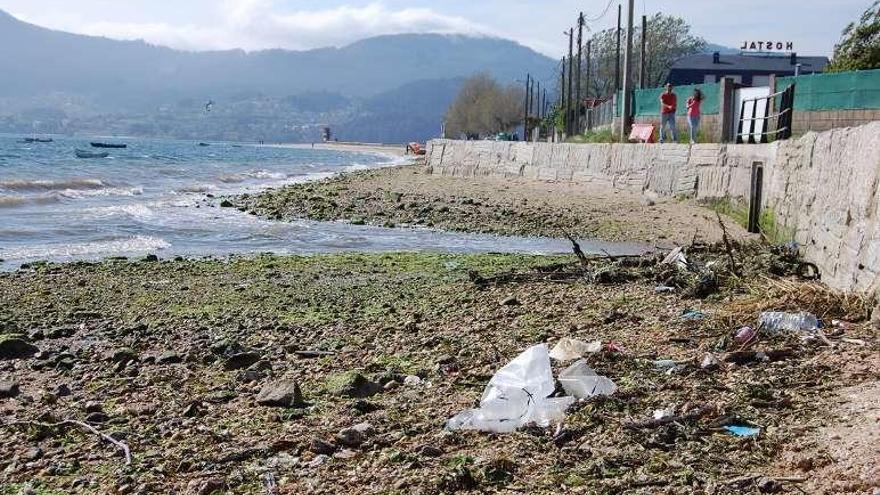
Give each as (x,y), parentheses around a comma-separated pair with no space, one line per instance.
(823,186)
(803,122)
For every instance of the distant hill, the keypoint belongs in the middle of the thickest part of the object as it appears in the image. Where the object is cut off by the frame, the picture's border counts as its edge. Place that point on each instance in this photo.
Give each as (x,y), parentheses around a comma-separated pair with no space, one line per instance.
(74,83)
(724,50)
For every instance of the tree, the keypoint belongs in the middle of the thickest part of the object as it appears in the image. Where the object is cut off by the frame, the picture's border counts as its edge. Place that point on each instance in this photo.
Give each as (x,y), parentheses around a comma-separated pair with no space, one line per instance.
(859,48)
(484,107)
(668,39)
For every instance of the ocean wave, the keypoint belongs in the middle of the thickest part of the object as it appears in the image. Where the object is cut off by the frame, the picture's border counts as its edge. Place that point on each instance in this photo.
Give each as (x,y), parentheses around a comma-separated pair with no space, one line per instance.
(113,191)
(53,185)
(196,188)
(251,174)
(40,199)
(136,211)
(131,245)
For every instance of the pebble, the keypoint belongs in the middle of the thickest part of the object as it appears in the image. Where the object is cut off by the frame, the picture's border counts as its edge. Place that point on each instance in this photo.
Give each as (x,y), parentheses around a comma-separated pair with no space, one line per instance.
(204,487)
(510,301)
(97,417)
(241,360)
(62,390)
(318,446)
(412,381)
(710,362)
(123,355)
(355,435)
(169,357)
(93,406)
(8,388)
(317,461)
(16,348)
(345,455)
(283,393)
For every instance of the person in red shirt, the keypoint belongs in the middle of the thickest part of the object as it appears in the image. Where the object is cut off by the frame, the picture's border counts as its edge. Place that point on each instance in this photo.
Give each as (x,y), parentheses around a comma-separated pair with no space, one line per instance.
(668,107)
(693,104)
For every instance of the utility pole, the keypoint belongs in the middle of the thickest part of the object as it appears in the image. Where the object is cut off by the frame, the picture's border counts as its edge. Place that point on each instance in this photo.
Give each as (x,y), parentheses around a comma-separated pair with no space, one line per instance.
(587,90)
(642,59)
(562,91)
(577,117)
(617,65)
(626,116)
(526,109)
(570,125)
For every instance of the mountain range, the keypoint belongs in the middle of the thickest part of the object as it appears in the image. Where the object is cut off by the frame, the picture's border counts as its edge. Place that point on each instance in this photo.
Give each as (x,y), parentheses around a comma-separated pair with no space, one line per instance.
(387,88)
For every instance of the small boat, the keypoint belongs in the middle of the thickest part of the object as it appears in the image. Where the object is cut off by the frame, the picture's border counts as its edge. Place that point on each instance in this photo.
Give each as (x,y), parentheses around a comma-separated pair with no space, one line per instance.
(91,154)
(109,145)
(37,140)
(204,144)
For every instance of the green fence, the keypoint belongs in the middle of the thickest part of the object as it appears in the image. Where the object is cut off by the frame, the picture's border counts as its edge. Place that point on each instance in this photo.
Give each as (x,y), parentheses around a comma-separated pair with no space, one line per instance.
(857,90)
(647,101)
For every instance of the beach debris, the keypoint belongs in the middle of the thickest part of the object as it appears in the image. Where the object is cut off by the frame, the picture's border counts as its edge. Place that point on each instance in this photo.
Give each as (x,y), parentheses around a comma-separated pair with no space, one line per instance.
(709,362)
(744,335)
(569,349)
(667,366)
(692,414)
(615,348)
(517,395)
(676,257)
(510,301)
(776,322)
(580,381)
(743,431)
(693,316)
(662,414)
(664,289)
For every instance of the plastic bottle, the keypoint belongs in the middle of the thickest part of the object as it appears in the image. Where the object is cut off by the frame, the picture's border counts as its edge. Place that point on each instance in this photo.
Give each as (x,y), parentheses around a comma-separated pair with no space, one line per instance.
(773,321)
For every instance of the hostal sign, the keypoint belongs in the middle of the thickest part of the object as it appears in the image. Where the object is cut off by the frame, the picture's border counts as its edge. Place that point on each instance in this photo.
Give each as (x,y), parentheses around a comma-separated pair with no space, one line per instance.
(768,45)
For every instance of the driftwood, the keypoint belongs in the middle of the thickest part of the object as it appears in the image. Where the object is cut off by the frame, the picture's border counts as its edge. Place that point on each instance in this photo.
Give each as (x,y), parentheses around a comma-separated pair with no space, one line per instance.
(743,357)
(727,246)
(656,423)
(72,422)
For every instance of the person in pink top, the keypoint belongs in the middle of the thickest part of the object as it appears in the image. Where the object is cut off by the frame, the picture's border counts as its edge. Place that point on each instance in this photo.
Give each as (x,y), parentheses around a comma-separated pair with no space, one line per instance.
(693,108)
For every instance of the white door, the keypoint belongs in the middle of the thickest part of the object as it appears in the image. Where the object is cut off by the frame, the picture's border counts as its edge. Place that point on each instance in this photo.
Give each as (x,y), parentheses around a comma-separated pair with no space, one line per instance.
(755,108)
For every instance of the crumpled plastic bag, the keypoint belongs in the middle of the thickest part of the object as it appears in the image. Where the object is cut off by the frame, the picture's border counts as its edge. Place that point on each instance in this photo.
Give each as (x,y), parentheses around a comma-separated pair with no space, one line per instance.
(569,349)
(516,396)
(580,381)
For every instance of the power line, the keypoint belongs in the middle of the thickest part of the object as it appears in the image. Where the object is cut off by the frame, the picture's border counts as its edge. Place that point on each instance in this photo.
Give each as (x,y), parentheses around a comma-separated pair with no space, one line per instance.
(603,14)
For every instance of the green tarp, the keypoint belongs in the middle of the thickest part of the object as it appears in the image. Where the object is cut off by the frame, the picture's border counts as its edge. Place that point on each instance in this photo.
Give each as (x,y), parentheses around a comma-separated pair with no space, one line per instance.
(855,90)
(648,100)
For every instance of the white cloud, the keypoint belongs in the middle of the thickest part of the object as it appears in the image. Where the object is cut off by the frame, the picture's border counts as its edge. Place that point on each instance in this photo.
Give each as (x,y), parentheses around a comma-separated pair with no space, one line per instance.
(257,24)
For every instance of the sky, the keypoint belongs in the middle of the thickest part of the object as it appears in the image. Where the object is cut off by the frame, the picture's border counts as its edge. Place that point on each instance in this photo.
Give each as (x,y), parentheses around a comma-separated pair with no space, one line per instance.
(813,25)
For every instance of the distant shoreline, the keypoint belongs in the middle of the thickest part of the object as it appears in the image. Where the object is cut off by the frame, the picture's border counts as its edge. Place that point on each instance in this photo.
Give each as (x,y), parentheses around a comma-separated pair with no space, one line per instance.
(385,149)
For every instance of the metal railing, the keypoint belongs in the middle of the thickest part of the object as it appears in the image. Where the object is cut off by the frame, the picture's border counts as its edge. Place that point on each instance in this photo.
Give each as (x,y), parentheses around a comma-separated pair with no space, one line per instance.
(758,125)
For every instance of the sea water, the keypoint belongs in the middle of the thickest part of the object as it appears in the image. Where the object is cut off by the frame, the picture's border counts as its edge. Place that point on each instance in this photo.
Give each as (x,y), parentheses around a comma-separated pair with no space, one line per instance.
(160,197)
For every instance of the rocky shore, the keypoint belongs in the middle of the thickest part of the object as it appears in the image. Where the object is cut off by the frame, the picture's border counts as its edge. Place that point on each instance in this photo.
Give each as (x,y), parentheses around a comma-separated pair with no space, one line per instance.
(336,374)
(410,196)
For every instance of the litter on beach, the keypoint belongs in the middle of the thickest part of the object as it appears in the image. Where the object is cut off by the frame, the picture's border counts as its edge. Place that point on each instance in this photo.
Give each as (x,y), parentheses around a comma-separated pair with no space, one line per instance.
(743,431)
(579,380)
(516,396)
(569,349)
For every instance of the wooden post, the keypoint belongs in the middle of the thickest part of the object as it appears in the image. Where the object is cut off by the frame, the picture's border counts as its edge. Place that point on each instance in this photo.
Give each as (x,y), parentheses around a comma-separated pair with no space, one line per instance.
(642,59)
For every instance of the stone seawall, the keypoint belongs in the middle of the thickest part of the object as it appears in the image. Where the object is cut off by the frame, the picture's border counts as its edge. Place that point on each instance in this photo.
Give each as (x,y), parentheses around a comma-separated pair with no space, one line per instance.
(823,187)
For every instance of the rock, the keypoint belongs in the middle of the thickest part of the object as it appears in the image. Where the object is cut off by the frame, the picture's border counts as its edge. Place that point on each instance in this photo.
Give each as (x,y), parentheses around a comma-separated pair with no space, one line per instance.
(355,435)
(204,487)
(412,381)
(192,410)
(321,447)
(352,384)
(318,461)
(284,393)
(363,407)
(62,390)
(169,357)
(346,455)
(97,417)
(241,360)
(250,376)
(142,409)
(510,301)
(226,204)
(33,454)
(875,318)
(8,388)
(709,362)
(430,451)
(393,384)
(15,347)
(93,406)
(445,359)
(123,355)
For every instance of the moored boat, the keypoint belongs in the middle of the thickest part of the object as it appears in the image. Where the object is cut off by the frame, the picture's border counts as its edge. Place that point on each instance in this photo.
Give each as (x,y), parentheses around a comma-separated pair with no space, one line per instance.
(109,145)
(91,154)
